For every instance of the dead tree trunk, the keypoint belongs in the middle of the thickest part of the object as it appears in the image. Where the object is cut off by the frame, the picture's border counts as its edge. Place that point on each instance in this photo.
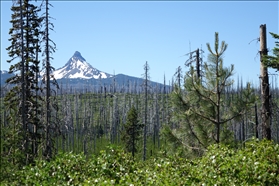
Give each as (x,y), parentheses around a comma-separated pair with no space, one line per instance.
(146,69)
(265,112)
(198,63)
(256,121)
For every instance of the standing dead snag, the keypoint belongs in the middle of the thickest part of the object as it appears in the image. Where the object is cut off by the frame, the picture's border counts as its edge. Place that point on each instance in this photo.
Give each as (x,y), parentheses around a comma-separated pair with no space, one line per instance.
(265,111)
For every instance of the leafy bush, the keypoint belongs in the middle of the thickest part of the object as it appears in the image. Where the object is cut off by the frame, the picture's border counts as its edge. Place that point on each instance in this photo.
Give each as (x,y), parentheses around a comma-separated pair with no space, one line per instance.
(256,164)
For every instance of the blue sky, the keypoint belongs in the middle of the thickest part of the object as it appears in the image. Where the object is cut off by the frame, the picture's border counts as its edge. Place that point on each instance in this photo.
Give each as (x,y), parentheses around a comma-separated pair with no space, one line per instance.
(119,37)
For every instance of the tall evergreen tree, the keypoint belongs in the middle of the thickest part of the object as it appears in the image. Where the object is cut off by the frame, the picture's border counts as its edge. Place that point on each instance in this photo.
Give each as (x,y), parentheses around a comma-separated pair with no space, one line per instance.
(202,107)
(273,62)
(132,131)
(25,34)
(178,76)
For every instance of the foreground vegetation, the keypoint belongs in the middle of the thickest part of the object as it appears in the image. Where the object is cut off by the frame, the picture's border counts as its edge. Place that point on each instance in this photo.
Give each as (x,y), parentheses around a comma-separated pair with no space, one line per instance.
(255,164)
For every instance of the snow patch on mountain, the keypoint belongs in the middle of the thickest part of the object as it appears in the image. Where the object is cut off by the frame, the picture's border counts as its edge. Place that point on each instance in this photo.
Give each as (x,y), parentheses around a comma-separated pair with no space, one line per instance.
(77,67)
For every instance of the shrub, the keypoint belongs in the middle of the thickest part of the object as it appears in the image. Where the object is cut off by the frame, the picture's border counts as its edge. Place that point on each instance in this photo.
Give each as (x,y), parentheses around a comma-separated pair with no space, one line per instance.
(256,164)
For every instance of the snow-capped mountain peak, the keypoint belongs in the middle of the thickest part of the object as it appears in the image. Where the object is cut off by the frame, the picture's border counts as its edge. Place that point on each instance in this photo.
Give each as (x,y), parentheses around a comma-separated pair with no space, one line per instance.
(77,67)
(77,56)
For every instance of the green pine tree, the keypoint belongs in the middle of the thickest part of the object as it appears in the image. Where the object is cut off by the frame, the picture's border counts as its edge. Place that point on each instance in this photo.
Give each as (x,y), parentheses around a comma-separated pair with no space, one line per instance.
(132,131)
(273,61)
(202,108)
(22,102)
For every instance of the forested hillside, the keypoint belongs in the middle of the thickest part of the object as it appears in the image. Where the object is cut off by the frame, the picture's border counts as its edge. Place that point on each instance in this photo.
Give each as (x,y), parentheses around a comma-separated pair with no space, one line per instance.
(206,128)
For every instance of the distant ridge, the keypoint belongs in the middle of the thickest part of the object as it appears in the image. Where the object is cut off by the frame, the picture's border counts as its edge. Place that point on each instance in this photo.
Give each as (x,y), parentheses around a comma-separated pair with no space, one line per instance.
(78,75)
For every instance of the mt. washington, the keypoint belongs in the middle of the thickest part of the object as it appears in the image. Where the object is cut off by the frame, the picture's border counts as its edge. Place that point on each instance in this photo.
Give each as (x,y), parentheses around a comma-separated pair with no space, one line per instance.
(77,67)
(77,74)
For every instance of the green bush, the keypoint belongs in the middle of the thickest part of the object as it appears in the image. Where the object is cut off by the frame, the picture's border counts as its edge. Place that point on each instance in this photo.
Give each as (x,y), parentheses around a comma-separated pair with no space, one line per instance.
(256,164)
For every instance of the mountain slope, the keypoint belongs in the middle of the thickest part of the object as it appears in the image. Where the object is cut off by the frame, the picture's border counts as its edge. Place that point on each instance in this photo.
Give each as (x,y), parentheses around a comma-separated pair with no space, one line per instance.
(77,74)
(4,75)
